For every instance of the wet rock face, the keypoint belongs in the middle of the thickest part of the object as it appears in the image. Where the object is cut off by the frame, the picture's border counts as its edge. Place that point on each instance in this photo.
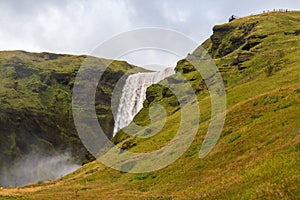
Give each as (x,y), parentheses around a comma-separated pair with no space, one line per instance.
(224,42)
(103,97)
(218,35)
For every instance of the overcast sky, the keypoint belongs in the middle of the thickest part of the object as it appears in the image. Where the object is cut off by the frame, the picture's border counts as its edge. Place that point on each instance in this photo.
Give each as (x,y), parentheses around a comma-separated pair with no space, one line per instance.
(78,26)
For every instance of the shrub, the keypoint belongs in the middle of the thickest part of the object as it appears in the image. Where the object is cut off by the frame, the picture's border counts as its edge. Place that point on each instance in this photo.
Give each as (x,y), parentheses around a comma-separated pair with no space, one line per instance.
(234,138)
(269,70)
(227,132)
(297,90)
(282,107)
(256,116)
(271,100)
(200,166)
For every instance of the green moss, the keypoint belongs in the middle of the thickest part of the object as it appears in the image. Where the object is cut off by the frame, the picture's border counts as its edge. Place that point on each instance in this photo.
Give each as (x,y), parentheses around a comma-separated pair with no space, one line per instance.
(106,90)
(144,176)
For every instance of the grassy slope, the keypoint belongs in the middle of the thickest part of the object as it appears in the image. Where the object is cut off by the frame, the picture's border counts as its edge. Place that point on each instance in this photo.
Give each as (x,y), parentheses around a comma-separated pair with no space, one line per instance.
(258,154)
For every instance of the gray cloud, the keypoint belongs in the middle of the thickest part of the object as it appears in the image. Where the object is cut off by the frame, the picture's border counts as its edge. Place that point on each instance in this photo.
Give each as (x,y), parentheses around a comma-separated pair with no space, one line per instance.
(78,26)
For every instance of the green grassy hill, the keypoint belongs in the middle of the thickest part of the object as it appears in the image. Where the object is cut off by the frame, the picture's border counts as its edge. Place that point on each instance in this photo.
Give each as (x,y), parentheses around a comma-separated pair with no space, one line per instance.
(258,153)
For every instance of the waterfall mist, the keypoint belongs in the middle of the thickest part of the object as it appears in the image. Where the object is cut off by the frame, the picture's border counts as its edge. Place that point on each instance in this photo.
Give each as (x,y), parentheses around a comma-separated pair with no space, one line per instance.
(34,168)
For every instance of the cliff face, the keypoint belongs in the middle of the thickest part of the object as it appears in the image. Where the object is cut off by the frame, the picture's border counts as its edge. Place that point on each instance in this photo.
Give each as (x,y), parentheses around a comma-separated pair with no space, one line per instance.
(36,113)
(224,42)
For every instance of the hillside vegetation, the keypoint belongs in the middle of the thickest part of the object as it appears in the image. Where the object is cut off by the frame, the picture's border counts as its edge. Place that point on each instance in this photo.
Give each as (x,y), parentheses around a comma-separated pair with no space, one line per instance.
(36,110)
(258,153)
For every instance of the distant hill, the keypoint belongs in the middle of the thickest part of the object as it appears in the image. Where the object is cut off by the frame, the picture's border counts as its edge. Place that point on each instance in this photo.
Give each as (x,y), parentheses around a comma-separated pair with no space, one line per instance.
(258,153)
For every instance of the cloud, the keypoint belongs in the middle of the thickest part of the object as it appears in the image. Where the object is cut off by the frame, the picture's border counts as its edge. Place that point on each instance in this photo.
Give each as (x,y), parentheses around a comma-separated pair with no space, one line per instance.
(72,27)
(78,26)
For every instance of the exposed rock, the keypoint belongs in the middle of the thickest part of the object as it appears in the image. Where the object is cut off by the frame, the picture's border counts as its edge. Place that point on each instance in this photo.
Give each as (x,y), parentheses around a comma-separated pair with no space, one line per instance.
(50,56)
(297,32)
(257,37)
(224,42)
(62,78)
(242,57)
(184,66)
(22,71)
(249,45)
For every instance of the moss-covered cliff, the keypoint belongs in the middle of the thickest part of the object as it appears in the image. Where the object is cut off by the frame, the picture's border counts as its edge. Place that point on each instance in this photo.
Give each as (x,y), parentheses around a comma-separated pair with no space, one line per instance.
(35,104)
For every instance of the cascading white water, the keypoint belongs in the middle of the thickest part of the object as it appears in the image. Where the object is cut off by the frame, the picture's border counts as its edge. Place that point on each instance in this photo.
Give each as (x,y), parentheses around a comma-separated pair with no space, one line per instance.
(134,94)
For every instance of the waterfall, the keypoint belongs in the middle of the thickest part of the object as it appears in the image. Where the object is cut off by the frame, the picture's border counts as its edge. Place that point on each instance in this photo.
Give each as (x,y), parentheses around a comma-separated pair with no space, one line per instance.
(134,94)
